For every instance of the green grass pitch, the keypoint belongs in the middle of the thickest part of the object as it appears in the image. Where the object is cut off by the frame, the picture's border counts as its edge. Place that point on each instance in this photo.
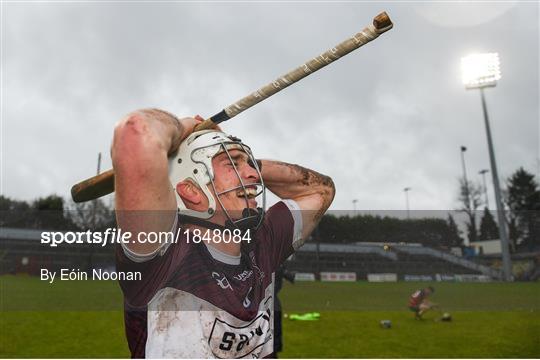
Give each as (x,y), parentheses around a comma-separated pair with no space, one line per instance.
(83,319)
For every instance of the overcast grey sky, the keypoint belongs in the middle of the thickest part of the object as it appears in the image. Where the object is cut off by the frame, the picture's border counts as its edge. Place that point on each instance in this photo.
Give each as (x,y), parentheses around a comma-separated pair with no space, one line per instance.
(389,115)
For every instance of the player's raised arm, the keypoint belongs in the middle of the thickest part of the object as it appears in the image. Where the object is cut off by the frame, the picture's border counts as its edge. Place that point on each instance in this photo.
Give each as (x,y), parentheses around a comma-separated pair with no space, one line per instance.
(145,199)
(312,191)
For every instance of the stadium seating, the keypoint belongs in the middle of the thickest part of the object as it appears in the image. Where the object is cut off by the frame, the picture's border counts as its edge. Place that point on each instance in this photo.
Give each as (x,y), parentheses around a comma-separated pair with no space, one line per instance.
(366,259)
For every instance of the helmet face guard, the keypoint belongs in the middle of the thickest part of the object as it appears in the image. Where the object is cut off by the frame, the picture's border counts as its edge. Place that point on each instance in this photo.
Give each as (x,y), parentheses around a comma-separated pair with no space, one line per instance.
(193,162)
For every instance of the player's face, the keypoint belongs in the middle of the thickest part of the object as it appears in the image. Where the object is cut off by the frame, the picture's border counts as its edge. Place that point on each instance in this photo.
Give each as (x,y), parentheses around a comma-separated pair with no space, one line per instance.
(227,178)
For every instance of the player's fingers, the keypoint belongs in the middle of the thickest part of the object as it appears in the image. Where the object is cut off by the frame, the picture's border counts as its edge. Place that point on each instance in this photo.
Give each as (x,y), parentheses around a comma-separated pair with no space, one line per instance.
(188,125)
(200,118)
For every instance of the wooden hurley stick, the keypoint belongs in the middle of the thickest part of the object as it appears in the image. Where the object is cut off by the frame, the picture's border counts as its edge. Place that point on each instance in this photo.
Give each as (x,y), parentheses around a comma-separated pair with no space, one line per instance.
(103,184)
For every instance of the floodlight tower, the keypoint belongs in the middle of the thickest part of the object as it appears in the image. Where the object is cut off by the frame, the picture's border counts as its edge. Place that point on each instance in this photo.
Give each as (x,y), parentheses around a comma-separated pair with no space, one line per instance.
(466,182)
(406,190)
(483,173)
(481,71)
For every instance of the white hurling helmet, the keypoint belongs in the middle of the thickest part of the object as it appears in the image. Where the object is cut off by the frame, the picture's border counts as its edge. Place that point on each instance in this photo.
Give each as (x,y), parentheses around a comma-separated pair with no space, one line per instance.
(193,162)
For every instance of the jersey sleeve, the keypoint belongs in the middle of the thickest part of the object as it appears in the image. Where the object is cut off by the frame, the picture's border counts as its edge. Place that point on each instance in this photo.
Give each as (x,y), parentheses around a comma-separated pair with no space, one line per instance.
(154,269)
(281,232)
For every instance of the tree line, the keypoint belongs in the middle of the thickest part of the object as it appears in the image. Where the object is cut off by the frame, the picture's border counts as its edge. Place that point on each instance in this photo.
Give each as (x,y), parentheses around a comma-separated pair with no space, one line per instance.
(432,232)
(521,201)
(54,213)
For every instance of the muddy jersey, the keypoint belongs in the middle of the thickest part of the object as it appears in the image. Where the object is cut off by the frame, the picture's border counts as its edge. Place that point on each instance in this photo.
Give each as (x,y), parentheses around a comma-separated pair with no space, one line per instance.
(196,302)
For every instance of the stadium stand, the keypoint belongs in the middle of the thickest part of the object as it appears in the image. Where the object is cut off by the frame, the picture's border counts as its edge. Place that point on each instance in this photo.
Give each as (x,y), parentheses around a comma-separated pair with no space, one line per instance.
(443,262)
(403,260)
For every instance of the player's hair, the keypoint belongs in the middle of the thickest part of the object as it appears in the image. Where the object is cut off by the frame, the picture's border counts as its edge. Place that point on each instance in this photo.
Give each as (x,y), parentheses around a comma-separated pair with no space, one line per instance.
(431,288)
(158,113)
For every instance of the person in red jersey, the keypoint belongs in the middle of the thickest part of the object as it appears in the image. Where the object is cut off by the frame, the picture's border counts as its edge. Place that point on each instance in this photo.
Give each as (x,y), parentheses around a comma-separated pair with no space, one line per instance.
(207,291)
(419,302)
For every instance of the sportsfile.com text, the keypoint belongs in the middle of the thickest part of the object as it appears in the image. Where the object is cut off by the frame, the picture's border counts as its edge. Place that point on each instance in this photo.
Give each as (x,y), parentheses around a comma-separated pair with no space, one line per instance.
(117,236)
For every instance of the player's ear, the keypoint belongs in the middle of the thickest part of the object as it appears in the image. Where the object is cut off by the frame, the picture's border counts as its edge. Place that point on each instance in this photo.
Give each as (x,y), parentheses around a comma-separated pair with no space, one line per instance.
(189,193)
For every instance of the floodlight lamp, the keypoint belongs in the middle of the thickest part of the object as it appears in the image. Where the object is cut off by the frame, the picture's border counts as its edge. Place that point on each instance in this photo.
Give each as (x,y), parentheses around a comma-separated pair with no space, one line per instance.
(480,70)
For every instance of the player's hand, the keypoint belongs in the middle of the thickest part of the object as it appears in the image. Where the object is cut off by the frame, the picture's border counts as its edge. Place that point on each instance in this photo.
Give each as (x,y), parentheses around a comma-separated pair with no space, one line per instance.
(200,118)
(189,123)
(186,127)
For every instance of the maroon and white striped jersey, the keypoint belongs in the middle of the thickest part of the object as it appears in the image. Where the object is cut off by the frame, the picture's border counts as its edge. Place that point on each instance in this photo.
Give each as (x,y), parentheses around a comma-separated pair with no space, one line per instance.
(196,302)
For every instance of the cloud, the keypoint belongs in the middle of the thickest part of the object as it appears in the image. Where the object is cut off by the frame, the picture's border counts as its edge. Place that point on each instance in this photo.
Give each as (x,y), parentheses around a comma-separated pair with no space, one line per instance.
(462,14)
(390,115)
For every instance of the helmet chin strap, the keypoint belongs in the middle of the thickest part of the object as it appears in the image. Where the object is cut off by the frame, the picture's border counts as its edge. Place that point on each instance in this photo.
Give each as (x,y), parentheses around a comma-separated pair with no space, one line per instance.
(250,219)
(186,219)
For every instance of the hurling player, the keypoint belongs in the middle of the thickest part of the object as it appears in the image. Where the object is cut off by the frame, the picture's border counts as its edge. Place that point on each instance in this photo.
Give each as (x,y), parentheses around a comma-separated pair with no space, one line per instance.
(208,291)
